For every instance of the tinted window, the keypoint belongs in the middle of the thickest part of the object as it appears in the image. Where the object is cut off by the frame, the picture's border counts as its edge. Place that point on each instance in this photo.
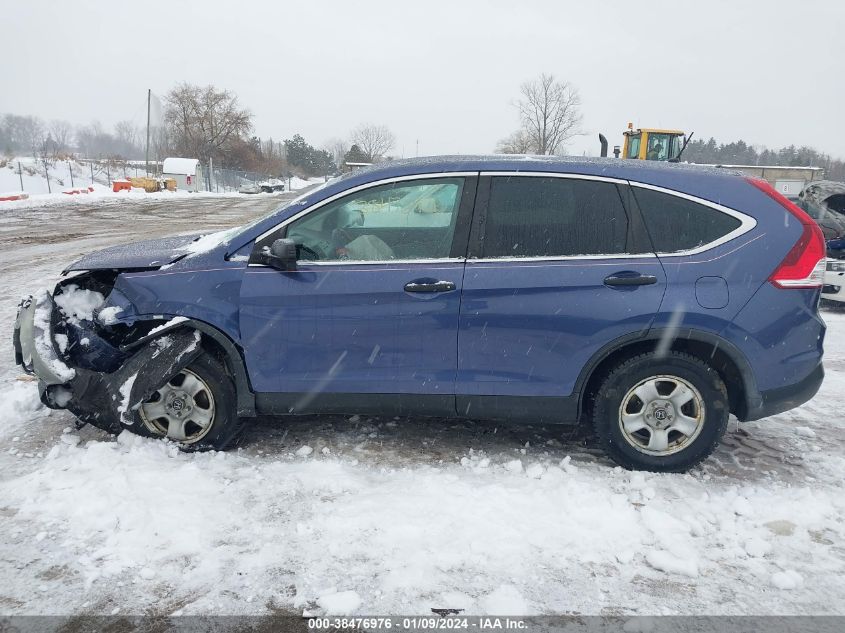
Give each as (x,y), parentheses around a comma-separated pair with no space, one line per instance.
(553,217)
(406,220)
(676,224)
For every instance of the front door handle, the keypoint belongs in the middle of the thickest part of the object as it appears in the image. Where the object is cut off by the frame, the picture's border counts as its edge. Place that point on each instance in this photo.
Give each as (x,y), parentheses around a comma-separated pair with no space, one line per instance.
(630,279)
(424,285)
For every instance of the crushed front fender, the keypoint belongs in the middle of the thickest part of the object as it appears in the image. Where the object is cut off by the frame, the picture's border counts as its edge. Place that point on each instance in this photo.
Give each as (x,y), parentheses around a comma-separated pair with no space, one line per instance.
(108,400)
(103,398)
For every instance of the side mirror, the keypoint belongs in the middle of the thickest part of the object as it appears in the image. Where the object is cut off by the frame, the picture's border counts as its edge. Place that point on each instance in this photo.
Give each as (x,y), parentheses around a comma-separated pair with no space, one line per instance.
(282,255)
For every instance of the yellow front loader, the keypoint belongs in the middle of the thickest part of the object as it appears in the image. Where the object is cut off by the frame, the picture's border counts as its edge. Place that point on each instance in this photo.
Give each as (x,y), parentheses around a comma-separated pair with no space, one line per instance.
(649,144)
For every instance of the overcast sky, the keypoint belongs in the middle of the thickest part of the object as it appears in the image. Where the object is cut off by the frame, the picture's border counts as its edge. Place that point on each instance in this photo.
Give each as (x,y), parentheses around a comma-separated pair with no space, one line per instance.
(443,73)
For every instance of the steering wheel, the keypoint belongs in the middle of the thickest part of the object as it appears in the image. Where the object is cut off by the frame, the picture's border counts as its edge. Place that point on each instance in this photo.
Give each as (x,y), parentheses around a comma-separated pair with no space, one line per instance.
(319,246)
(301,248)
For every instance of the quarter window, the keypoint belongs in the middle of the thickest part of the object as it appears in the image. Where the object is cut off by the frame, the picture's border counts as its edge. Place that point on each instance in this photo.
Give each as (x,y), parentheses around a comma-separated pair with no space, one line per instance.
(405,220)
(677,224)
(531,216)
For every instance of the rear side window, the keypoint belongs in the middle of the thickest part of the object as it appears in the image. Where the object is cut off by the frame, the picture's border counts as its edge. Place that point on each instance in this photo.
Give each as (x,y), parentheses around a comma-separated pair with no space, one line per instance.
(676,224)
(531,216)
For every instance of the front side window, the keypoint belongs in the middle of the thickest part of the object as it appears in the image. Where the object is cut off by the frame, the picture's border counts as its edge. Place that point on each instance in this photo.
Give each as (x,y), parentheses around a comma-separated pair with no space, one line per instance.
(531,216)
(404,220)
(677,224)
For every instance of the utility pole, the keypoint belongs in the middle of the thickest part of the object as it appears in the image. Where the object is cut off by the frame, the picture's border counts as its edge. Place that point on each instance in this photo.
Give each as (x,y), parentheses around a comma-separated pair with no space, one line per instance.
(147,151)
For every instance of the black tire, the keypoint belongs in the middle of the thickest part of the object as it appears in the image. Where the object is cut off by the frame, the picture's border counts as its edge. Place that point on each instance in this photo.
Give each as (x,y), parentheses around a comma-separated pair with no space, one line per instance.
(225,424)
(634,371)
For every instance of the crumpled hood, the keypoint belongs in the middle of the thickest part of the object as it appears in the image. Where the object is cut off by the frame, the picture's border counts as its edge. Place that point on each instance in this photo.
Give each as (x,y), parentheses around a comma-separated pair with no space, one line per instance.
(146,254)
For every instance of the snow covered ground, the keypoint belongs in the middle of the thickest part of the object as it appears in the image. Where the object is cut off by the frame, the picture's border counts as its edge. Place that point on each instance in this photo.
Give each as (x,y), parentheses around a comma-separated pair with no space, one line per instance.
(70,175)
(396,516)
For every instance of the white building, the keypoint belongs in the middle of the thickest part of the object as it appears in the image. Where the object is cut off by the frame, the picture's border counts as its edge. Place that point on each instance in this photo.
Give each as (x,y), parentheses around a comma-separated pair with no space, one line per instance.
(186,171)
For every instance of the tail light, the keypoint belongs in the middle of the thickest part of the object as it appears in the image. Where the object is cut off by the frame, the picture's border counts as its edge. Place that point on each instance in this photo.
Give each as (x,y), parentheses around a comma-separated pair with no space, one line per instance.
(803,266)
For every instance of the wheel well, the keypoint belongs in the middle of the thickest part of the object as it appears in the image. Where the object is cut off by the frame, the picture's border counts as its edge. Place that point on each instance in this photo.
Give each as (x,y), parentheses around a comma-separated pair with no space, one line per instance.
(216,350)
(710,353)
(228,354)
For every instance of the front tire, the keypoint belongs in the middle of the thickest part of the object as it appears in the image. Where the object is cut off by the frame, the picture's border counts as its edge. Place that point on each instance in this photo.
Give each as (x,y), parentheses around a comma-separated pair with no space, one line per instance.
(195,408)
(661,414)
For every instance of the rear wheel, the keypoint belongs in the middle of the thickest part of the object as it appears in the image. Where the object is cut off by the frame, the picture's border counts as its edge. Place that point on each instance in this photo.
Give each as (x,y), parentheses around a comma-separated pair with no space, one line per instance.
(195,408)
(661,413)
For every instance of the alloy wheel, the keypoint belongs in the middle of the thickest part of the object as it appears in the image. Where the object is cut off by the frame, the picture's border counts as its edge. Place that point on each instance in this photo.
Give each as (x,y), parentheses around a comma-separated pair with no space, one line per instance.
(182,409)
(661,415)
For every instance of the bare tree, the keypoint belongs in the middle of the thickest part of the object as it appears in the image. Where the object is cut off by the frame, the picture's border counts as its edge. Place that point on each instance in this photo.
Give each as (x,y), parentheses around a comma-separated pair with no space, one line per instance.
(128,140)
(337,147)
(549,111)
(517,143)
(32,134)
(126,133)
(373,140)
(203,122)
(22,133)
(62,133)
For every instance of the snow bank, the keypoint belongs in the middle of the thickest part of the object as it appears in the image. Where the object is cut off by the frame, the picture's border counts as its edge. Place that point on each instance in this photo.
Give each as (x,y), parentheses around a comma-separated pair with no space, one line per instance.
(35,184)
(405,516)
(104,195)
(398,538)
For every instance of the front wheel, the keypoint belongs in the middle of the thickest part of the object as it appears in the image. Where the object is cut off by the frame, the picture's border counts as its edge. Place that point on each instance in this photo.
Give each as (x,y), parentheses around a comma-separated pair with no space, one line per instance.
(195,408)
(663,414)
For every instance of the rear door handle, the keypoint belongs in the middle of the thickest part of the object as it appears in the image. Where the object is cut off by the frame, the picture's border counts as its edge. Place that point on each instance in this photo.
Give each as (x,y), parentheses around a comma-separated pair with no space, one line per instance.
(630,279)
(429,286)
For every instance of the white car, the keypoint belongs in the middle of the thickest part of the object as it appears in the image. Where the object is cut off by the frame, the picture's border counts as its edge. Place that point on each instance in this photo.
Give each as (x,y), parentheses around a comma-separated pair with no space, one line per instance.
(834,280)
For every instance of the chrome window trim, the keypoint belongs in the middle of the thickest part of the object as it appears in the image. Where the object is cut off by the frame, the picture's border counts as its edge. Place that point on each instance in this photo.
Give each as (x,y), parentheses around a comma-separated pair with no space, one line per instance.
(371,262)
(747,223)
(368,185)
(552,174)
(561,258)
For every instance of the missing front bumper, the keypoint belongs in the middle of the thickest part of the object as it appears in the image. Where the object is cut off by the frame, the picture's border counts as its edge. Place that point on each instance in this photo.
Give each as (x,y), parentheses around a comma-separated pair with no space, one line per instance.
(106,399)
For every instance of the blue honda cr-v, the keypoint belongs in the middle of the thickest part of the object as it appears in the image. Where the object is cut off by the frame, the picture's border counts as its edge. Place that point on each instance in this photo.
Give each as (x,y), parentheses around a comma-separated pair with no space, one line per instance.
(649,299)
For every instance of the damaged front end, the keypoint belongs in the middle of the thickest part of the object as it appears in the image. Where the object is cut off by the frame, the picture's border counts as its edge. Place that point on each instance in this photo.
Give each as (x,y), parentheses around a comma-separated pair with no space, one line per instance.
(90,361)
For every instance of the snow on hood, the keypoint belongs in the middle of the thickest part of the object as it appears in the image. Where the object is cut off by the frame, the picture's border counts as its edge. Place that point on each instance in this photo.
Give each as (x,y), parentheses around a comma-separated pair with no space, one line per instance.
(148,253)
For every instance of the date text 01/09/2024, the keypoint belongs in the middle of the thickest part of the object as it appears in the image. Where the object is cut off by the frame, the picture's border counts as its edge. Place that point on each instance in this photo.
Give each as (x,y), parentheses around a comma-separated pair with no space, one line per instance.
(426,623)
